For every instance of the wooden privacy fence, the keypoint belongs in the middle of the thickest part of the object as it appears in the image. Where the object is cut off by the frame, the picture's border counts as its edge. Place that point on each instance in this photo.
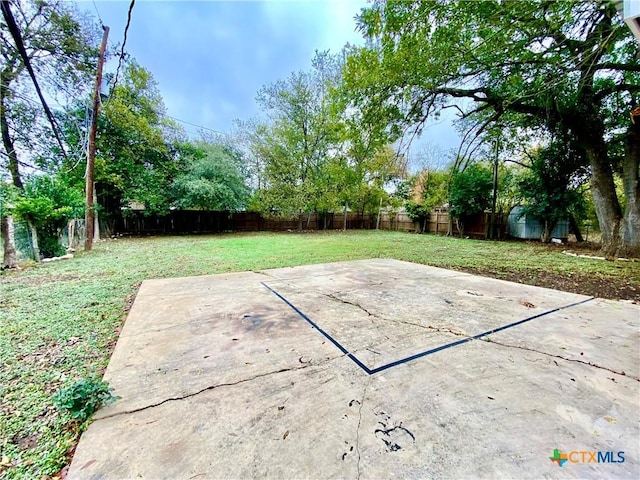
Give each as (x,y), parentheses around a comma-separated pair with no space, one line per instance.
(195,221)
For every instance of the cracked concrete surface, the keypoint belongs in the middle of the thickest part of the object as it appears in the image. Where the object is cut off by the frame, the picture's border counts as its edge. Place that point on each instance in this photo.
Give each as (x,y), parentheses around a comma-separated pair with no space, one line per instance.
(202,390)
(219,378)
(591,364)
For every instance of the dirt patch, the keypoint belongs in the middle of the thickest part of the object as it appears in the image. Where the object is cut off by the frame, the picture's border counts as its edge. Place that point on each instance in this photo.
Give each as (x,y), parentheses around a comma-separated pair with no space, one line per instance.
(593,285)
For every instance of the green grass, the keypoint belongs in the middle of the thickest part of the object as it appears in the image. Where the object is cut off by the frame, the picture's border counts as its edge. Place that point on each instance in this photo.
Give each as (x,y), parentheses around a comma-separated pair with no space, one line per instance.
(58,321)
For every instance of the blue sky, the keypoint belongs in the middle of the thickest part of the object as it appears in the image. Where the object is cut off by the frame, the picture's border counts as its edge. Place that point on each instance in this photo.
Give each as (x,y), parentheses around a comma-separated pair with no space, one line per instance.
(211,57)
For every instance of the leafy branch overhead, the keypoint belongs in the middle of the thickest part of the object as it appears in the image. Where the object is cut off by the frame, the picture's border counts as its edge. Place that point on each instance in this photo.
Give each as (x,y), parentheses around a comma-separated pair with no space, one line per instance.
(564,69)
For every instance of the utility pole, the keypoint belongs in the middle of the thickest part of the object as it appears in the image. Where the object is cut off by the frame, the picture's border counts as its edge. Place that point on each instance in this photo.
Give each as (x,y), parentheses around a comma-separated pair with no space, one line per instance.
(495,194)
(89,218)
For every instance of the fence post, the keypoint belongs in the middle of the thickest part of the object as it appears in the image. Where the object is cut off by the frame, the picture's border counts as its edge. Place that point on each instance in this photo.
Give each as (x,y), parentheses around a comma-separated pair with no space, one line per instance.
(34,241)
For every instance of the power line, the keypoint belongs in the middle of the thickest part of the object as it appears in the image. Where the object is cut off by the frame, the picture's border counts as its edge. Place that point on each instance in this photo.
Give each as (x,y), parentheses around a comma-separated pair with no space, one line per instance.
(17,38)
(194,124)
(124,42)
(98,13)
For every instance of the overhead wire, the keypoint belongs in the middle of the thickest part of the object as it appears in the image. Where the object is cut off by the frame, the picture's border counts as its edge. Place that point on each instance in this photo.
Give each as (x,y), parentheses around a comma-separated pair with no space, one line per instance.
(17,38)
(194,124)
(77,153)
(124,42)
(98,13)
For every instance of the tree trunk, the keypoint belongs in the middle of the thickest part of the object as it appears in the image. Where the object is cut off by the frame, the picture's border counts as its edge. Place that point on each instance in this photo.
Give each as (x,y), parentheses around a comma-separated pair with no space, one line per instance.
(344,221)
(547,229)
(96,218)
(7,141)
(10,259)
(573,226)
(630,227)
(603,190)
(34,242)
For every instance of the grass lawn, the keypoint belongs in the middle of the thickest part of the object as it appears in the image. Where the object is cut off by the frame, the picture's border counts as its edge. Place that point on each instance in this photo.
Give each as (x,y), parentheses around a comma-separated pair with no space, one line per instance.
(59,321)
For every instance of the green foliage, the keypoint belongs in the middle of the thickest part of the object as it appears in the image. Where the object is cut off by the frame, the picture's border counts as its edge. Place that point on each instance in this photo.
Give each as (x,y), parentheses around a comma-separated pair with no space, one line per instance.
(83,398)
(470,191)
(370,175)
(48,203)
(139,150)
(296,147)
(428,191)
(551,188)
(516,67)
(212,181)
(9,195)
(316,153)
(508,192)
(417,211)
(62,47)
(403,190)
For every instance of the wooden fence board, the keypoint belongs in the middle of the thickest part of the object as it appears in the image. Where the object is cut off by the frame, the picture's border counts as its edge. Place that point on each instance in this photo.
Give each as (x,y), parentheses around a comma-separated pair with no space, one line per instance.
(193,221)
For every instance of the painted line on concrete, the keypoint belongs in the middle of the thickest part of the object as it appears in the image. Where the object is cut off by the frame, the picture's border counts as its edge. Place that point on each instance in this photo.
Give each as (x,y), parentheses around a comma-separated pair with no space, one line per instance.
(475,337)
(431,351)
(317,327)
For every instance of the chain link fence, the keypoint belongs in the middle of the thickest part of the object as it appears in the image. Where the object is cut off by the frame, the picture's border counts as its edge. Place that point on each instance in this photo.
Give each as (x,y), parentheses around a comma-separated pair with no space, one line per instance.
(71,238)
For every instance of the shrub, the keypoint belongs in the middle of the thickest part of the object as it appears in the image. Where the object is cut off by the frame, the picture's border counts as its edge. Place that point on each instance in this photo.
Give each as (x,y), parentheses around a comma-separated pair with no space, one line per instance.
(83,398)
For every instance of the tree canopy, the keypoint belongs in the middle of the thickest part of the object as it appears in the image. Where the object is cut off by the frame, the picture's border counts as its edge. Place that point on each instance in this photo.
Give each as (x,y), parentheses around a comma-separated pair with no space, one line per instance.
(542,67)
(551,188)
(62,48)
(211,181)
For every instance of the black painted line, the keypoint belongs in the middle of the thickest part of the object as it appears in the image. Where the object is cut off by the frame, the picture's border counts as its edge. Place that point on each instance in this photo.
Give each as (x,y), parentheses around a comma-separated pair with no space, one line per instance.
(410,358)
(420,355)
(317,327)
(476,337)
(514,324)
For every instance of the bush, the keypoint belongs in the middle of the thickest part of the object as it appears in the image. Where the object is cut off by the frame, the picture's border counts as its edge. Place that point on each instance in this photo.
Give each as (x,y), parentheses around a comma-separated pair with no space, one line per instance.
(48,204)
(83,398)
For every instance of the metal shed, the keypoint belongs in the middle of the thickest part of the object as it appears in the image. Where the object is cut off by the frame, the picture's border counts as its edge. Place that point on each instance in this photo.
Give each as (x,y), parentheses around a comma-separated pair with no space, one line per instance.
(526,227)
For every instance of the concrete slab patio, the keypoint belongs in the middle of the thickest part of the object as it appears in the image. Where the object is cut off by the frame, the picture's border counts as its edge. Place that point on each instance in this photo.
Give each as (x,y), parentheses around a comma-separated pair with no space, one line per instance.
(368,369)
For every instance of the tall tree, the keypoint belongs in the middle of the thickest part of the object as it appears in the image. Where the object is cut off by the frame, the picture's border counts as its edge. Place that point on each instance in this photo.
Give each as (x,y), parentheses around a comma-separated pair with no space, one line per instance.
(298,142)
(212,180)
(139,150)
(567,67)
(469,192)
(551,188)
(61,48)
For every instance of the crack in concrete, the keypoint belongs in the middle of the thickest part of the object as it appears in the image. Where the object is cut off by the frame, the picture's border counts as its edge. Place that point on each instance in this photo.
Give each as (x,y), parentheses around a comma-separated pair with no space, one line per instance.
(213,387)
(576,360)
(426,327)
(364,394)
(335,297)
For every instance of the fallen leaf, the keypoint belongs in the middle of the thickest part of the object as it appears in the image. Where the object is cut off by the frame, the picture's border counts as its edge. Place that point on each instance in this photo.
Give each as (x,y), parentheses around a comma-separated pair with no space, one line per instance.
(610,419)
(527,304)
(286,434)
